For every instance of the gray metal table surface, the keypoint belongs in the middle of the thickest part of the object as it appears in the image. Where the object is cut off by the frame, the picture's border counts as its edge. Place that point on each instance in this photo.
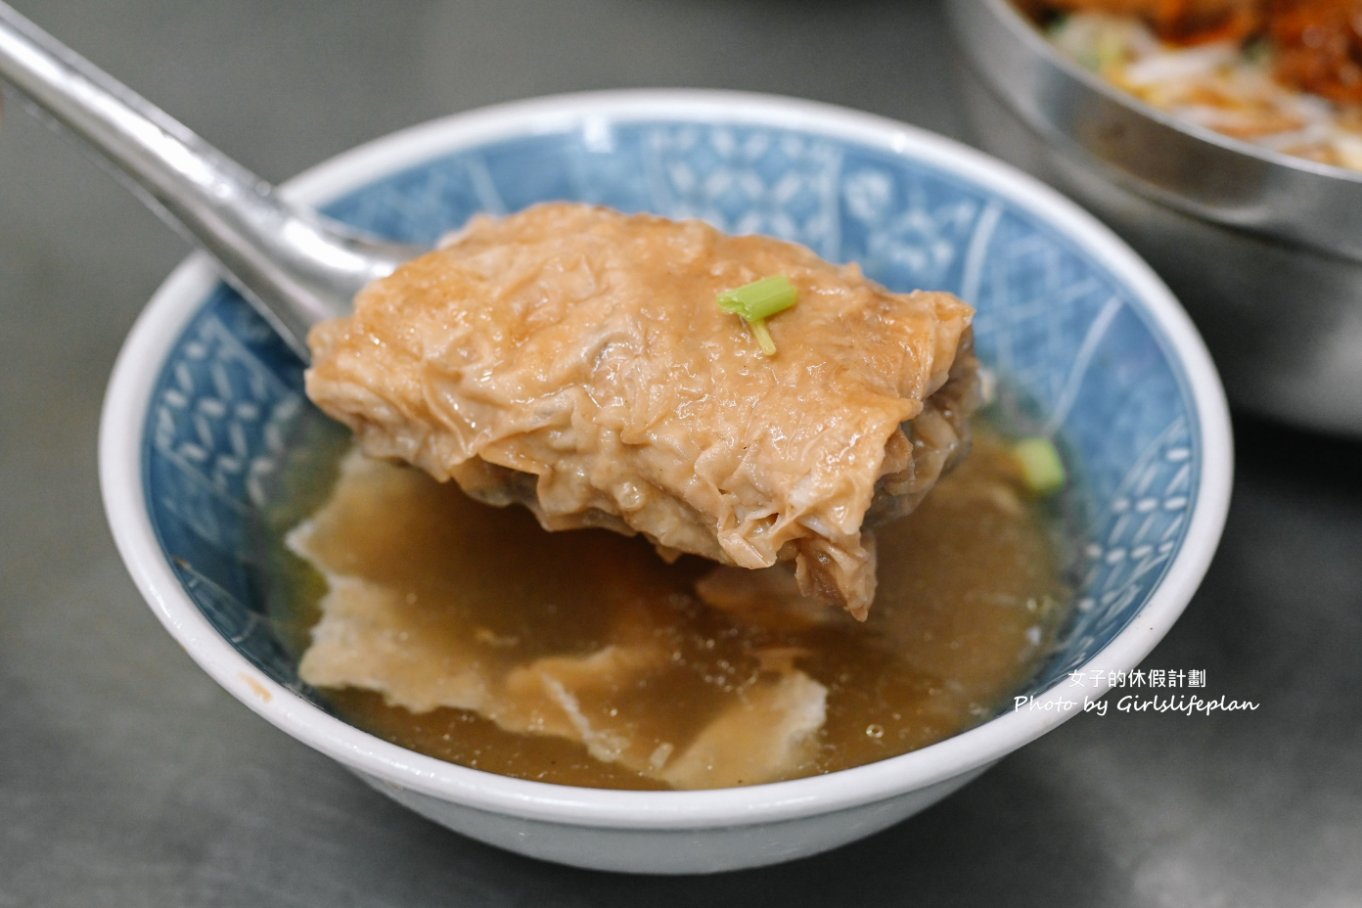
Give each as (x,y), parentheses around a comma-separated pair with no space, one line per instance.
(128,778)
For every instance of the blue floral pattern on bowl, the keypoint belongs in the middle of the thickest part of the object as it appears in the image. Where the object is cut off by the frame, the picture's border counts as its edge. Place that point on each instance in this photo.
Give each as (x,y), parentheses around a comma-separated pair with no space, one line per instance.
(1080,359)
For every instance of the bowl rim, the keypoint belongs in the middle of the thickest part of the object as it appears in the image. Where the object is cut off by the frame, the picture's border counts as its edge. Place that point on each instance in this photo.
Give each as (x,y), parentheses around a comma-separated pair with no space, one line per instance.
(162,322)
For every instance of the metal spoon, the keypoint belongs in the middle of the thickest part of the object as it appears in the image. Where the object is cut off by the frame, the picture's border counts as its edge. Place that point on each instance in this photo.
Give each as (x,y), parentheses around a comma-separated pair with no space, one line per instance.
(294,265)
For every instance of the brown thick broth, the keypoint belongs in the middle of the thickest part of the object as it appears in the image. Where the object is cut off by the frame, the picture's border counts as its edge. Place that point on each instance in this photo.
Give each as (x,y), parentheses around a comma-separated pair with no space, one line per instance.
(968,587)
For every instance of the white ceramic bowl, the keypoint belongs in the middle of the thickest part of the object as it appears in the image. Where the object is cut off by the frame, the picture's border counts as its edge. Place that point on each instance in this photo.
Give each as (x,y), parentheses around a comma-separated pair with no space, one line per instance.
(204,402)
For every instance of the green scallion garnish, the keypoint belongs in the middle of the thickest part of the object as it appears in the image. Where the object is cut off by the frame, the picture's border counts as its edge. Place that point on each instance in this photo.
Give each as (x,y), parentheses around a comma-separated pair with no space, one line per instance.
(1042,471)
(758,301)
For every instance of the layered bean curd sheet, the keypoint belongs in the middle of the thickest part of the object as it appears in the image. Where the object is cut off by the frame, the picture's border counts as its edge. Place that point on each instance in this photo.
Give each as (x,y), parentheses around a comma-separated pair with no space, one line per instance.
(573,360)
(1285,74)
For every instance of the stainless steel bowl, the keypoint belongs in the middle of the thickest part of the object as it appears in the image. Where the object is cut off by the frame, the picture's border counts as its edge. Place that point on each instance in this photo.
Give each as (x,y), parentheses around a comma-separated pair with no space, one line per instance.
(1265,250)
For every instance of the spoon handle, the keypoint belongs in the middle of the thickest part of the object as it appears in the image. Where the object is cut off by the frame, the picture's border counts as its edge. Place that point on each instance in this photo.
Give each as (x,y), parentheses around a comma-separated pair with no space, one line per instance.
(295,265)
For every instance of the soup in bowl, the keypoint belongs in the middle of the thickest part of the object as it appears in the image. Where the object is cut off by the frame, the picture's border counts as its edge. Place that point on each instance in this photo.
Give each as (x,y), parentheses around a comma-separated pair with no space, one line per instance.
(218,474)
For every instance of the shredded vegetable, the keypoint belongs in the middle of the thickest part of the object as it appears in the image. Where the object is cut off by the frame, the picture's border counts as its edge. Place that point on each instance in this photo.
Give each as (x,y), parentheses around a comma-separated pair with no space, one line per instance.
(1263,85)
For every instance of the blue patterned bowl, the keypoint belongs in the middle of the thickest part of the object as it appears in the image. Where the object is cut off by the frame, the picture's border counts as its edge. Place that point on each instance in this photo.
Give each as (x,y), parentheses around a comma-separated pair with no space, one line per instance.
(205,400)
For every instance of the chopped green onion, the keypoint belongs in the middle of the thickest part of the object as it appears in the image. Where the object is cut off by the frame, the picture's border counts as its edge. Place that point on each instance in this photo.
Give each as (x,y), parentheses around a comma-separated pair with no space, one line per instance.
(758,301)
(763,336)
(1041,469)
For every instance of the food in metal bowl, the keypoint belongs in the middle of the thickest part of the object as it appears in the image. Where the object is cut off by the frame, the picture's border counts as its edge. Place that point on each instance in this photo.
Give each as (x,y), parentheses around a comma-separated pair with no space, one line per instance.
(1235,227)
(1285,74)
